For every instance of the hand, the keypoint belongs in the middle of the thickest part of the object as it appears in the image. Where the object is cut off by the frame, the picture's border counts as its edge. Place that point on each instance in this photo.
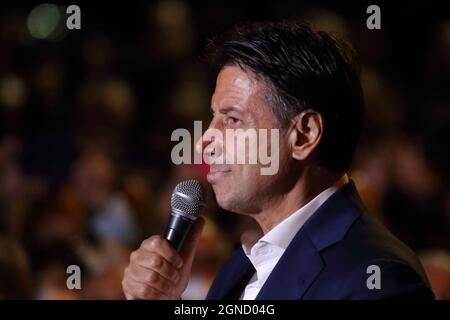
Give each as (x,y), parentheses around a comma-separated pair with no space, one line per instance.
(157,271)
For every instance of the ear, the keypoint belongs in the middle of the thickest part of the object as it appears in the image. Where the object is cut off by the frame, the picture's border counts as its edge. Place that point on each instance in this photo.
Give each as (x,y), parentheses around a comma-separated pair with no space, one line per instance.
(306,133)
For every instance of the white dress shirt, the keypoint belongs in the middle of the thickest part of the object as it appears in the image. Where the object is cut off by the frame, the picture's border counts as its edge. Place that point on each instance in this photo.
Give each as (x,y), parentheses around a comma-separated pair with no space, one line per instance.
(267,251)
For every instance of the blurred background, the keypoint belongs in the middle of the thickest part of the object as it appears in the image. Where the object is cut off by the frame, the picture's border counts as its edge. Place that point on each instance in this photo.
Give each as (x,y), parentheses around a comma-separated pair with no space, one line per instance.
(86,118)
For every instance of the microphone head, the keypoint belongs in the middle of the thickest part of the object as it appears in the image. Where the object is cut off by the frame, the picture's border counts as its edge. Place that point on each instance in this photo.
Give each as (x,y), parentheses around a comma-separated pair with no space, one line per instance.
(188,199)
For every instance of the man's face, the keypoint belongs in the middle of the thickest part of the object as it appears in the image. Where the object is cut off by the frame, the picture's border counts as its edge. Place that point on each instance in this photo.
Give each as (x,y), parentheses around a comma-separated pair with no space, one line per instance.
(238,103)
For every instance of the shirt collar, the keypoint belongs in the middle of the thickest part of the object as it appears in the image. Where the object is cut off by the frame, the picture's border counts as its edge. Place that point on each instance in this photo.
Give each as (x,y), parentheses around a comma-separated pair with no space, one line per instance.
(283,233)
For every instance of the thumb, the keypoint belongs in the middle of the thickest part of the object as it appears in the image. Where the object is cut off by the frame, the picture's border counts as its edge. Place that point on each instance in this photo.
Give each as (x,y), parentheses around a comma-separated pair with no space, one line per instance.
(190,244)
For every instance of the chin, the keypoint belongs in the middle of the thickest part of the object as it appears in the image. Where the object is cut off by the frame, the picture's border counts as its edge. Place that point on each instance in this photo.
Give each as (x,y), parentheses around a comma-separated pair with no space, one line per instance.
(230,202)
(223,198)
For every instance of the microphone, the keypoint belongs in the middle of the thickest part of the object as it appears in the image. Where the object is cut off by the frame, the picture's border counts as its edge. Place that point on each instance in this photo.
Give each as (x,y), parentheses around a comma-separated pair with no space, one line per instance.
(187,201)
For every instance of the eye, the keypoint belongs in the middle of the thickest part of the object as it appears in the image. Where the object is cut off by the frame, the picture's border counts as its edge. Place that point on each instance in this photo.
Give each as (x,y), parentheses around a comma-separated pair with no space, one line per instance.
(231,121)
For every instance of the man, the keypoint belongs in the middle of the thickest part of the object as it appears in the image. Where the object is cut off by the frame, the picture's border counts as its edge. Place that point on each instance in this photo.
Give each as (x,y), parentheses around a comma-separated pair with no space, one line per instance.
(319,241)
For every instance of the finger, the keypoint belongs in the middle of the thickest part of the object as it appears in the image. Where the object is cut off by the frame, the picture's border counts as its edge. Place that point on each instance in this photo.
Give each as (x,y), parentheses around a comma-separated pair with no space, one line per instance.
(128,296)
(161,246)
(152,278)
(138,290)
(152,261)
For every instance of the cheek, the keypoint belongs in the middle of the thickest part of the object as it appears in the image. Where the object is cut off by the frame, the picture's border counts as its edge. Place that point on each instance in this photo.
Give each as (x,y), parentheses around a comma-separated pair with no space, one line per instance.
(236,149)
(247,176)
(241,148)
(284,149)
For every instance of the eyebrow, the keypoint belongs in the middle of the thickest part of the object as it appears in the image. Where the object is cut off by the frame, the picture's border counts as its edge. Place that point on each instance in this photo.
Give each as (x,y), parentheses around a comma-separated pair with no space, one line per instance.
(226,110)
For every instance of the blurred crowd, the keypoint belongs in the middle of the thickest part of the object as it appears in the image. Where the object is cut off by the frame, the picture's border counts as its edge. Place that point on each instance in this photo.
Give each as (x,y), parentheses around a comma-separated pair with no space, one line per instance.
(86,118)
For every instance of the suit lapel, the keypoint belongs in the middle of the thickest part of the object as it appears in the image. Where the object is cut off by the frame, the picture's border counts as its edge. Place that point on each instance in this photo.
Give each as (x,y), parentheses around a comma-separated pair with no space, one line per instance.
(301,263)
(232,277)
(294,272)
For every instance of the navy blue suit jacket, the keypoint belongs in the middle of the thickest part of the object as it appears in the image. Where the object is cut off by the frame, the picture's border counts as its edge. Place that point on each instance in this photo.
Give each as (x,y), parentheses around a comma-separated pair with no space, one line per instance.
(329,259)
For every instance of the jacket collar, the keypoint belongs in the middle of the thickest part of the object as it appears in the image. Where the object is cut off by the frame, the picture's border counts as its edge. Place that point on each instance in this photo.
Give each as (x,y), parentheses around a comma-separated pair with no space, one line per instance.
(232,278)
(301,262)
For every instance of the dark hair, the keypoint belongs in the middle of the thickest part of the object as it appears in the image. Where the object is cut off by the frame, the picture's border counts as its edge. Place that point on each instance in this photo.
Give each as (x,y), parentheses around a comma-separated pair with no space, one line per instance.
(303,69)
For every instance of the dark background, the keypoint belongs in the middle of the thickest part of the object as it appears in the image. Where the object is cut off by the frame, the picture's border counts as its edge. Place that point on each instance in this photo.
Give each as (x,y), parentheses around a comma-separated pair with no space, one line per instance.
(86,118)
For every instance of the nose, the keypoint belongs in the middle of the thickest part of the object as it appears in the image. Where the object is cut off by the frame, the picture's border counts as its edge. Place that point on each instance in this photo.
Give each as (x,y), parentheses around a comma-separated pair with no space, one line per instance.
(202,143)
(205,144)
(209,144)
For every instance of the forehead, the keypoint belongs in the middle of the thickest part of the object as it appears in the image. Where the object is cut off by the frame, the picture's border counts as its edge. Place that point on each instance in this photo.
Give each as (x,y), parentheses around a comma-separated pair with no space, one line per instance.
(234,86)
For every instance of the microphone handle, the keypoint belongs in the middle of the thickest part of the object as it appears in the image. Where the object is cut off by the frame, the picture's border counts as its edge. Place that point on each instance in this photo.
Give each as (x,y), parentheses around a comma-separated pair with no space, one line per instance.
(177,230)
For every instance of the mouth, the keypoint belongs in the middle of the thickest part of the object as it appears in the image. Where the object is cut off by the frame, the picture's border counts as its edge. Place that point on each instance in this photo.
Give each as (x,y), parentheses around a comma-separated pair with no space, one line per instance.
(216,174)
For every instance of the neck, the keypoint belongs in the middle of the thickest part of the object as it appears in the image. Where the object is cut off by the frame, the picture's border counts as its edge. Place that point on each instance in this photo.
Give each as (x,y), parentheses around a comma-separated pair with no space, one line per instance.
(311,183)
